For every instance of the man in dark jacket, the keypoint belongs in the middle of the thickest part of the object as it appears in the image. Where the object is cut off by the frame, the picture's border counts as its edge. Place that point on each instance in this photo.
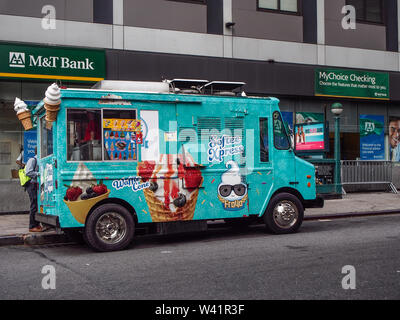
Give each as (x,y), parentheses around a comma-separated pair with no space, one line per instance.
(32,171)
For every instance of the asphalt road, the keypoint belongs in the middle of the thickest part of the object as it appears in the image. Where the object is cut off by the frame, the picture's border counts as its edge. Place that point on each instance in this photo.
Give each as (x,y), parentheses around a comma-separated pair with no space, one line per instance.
(220,264)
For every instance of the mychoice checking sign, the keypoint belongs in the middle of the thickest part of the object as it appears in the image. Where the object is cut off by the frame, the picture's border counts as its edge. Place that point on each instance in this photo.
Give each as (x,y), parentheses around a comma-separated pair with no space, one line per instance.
(352,84)
(35,62)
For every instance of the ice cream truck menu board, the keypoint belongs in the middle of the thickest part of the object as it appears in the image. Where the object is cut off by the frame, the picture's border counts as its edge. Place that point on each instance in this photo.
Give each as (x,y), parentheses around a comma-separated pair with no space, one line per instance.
(121,138)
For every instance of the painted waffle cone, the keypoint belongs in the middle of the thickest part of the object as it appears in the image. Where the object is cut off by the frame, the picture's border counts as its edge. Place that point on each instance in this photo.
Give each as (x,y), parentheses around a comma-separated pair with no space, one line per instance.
(81,208)
(25,118)
(51,111)
(159,213)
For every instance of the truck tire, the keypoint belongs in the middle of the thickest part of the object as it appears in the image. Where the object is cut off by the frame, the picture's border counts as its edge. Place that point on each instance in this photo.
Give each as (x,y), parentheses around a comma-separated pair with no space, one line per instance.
(284,214)
(110,227)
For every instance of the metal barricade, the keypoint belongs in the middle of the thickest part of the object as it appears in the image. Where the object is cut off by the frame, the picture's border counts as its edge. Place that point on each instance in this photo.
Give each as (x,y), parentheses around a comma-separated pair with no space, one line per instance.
(357,172)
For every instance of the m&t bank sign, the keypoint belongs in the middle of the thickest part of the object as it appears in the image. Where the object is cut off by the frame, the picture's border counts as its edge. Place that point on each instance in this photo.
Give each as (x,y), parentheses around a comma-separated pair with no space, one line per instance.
(18,61)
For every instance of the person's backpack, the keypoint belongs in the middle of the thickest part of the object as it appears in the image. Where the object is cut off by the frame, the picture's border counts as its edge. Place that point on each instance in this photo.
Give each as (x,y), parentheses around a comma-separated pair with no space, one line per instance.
(23,178)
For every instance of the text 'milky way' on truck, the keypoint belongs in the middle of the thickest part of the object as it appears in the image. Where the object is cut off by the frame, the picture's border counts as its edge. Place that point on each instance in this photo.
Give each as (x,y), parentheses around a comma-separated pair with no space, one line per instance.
(166,156)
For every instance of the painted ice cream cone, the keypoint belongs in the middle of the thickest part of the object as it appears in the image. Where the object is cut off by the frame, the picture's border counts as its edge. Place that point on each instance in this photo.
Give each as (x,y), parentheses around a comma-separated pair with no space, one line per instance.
(174,188)
(160,213)
(52,102)
(23,113)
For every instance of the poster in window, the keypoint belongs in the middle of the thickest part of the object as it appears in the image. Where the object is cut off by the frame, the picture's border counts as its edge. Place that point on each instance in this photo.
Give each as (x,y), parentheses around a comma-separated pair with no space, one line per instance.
(309,117)
(121,138)
(394,136)
(372,139)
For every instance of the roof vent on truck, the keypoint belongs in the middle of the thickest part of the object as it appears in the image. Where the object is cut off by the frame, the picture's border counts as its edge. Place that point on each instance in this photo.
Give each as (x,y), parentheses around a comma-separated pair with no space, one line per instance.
(223,88)
(187,86)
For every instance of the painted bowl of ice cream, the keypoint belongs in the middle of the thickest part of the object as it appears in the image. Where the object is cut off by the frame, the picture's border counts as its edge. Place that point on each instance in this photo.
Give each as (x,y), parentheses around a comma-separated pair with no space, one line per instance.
(80,208)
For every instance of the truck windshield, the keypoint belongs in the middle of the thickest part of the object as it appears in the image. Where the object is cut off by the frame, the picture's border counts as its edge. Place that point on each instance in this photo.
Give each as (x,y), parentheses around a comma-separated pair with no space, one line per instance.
(281,141)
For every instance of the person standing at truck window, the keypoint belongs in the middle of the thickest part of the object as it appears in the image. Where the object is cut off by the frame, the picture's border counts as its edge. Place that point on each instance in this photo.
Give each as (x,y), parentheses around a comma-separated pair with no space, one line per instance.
(32,171)
(92,131)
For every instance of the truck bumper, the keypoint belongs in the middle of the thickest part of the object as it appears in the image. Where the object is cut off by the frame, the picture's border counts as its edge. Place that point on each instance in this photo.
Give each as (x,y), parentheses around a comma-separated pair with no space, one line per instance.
(47,219)
(318,202)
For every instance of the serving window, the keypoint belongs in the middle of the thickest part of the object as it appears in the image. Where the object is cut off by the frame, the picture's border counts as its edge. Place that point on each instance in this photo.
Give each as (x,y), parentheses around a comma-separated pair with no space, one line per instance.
(103,135)
(83,135)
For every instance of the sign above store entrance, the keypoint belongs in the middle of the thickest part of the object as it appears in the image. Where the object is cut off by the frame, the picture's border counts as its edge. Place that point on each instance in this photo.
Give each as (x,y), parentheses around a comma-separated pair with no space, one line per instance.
(352,84)
(59,63)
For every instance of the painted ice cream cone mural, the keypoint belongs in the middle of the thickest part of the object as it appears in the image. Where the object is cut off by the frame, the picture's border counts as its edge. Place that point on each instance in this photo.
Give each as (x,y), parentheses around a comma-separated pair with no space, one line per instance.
(23,113)
(174,187)
(52,103)
(232,192)
(84,193)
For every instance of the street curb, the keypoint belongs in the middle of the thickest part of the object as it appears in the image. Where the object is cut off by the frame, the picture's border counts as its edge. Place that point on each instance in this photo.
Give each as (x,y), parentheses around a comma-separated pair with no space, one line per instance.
(34,239)
(351,215)
(13,213)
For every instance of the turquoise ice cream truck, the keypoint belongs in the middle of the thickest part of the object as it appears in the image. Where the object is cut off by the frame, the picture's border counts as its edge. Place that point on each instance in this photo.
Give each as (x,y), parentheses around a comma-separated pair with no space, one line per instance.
(168,155)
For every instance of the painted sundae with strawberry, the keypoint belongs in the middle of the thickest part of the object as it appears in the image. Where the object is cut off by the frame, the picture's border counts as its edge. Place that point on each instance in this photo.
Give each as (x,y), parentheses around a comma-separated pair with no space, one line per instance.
(84,193)
(174,186)
(76,193)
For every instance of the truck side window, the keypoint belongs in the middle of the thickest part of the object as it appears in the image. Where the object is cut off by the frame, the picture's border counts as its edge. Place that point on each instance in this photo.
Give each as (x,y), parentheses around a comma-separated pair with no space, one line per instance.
(83,135)
(121,134)
(264,150)
(281,140)
(46,139)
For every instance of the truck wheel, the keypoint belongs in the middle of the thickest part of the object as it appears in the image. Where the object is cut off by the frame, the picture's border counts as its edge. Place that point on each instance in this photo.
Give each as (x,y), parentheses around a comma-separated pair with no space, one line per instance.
(109,227)
(284,214)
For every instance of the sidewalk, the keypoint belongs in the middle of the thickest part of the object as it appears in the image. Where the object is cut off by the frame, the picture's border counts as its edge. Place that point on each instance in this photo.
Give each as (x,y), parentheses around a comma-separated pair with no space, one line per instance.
(14,228)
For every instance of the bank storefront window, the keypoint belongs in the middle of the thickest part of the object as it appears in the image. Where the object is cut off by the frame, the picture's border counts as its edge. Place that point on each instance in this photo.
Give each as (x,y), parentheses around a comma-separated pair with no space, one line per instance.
(46,138)
(5,153)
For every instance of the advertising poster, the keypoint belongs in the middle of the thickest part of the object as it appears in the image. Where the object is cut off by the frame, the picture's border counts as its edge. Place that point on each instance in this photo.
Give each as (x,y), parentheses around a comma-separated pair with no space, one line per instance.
(30,142)
(352,84)
(309,117)
(394,135)
(310,137)
(372,137)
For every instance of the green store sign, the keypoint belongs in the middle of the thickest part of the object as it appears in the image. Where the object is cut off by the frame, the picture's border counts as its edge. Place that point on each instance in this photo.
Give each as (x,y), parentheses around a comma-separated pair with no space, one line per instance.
(352,84)
(59,63)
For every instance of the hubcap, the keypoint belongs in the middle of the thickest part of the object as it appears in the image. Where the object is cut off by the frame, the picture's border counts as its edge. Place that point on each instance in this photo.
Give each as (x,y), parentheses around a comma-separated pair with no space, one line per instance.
(111,228)
(285,214)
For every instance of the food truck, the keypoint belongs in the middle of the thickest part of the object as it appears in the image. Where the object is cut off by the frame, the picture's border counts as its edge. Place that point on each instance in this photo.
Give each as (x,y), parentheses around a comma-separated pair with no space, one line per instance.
(165,156)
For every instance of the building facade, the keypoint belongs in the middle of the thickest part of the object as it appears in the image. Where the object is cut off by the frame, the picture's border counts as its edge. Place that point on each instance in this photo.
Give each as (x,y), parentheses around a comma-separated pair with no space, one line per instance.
(301,51)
